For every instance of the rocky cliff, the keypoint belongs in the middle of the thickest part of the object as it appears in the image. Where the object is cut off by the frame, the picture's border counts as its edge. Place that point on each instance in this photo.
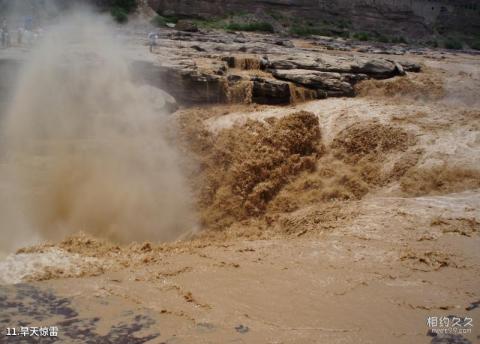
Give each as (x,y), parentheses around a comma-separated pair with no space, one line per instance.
(407,18)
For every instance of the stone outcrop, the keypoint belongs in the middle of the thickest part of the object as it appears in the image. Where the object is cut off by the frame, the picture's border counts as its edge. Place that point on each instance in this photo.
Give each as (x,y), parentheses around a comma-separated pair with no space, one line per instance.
(332,84)
(376,68)
(270,91)
(213,67)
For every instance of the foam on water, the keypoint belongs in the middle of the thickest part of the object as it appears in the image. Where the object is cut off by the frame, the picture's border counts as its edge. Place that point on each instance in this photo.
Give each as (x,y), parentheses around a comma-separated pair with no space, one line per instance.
(16,268)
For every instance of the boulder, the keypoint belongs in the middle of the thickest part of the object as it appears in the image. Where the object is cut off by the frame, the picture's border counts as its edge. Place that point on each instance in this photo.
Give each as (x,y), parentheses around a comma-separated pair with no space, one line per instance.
(333,84)
(376,68)
(336,64)
(399,68)
(410,66)
(285,43)
(191,86)
(184,81)
(186,25)
(354,78)
(270,91)
(292,62)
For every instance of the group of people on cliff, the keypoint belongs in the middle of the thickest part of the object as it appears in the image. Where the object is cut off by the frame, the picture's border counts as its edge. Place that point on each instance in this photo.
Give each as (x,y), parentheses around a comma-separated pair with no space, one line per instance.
(25,34)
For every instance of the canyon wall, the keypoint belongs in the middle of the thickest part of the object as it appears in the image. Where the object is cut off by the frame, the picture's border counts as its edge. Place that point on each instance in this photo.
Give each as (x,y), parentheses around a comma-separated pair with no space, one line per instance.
(408,18)
(414,19)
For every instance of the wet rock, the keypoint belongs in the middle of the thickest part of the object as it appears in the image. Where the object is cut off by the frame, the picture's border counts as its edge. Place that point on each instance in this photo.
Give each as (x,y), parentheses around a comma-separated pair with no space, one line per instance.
(377,68)
(354,78)
(197,48)
(242,329)
(334,84)
(473,305)
(399,68)
(32,304)
(285,43)
(190,86)
(337,64)
(270,91)
(233,78)
(200,69)
(293,62)
(230,60)
(410,67)
(205,327)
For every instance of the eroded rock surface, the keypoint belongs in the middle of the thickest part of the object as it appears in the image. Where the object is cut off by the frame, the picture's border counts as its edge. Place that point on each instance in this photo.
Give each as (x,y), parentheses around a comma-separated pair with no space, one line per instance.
(218,67)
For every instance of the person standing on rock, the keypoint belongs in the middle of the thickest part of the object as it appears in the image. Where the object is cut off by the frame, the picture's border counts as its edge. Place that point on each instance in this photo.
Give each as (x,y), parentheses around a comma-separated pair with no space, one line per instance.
(152,40)
(4,34)
(20,36)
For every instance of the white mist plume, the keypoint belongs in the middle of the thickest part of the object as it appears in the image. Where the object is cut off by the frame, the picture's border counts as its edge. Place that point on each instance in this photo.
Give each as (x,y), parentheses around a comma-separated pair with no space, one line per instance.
(16,10)
(83,146)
